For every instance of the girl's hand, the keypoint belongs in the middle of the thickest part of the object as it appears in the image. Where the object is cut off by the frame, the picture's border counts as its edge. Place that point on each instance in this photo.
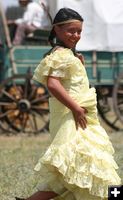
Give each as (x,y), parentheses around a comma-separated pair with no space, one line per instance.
(80,117)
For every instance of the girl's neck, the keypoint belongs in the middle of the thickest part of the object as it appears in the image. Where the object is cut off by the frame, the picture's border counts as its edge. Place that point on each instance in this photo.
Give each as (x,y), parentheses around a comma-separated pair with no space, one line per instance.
(60,43)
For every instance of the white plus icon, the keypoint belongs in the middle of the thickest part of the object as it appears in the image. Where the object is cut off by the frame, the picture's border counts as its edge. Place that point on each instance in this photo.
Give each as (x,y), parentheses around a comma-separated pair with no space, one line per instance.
(115,192)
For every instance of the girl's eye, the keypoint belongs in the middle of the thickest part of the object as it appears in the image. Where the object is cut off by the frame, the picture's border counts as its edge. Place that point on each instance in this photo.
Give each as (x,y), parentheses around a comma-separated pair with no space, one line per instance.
(72,31)
(79,32)
(75,31)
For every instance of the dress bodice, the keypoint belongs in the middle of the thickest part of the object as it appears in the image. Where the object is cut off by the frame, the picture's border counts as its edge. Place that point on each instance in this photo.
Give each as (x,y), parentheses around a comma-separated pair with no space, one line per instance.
(62,63)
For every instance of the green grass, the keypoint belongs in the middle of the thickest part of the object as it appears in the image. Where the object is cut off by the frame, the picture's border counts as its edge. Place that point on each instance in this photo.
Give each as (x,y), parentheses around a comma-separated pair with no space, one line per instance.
(18,156)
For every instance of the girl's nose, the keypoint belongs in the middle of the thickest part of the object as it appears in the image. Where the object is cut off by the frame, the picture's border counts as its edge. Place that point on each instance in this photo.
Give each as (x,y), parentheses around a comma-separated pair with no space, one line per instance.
(76,34)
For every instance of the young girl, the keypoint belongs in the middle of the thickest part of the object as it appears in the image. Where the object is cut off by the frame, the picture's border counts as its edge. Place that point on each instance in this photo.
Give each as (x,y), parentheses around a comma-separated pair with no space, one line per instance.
(78,164)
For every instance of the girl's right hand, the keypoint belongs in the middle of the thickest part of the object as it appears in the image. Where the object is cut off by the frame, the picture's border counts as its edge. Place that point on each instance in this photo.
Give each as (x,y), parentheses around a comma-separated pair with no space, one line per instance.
(80,117)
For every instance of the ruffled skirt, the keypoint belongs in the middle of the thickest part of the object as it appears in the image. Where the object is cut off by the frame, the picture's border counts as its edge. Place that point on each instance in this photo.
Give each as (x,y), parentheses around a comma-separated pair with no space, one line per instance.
(79,164)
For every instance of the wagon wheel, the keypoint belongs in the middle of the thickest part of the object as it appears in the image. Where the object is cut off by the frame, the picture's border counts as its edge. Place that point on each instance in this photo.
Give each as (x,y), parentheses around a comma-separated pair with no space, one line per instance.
(106,107)
(23,105)
(118,97)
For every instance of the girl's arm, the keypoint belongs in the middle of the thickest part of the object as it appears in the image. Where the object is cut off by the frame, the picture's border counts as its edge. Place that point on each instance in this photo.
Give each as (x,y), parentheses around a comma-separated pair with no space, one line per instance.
(57,90)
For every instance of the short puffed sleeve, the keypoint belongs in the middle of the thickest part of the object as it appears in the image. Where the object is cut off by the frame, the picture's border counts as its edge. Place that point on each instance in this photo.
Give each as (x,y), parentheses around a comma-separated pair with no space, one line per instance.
(56,64)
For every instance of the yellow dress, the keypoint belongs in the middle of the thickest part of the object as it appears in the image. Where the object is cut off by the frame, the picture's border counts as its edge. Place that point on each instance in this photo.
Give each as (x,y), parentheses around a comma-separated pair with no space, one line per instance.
(78,164)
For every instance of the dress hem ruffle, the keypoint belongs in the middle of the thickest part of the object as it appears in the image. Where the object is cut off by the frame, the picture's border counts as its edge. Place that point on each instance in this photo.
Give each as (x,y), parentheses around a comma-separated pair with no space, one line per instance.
(79,169)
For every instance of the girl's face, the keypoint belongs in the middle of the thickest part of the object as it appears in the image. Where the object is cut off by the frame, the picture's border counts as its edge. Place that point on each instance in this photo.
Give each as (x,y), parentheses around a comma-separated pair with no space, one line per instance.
(69,33)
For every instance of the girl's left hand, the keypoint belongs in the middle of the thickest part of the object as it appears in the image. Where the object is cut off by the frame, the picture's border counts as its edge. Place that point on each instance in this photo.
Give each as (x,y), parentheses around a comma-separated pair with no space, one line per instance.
(80,117)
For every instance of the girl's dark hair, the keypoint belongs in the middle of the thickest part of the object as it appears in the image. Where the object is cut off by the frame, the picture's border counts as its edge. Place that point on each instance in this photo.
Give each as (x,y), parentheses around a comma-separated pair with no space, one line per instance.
(63,14)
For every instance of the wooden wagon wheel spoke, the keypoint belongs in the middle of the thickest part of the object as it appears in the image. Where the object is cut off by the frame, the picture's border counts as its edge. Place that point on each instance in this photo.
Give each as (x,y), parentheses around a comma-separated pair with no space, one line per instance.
(32,93)
(106,107)
(118,97)
(41,112)
(8,95)
(24,105)
(40,99)
(5,113)
(5,103)
(40,109)
(27,87)
(120,106)
(120,91)
(24,118)
(121,102)
(34,121)
(115,121)
(43,118)
(106,111)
